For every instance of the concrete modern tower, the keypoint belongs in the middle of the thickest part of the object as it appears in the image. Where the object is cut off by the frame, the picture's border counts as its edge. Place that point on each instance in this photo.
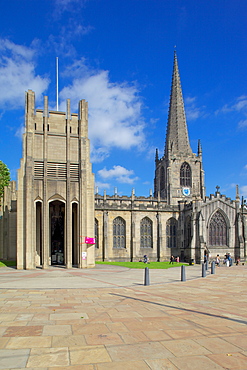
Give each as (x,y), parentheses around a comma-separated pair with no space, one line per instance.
(179,174)
(55,197)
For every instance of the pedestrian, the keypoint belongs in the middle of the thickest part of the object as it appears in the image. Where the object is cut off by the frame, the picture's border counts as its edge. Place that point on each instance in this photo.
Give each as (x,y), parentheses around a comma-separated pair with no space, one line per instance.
(230,260)
(217,260)
(172,259)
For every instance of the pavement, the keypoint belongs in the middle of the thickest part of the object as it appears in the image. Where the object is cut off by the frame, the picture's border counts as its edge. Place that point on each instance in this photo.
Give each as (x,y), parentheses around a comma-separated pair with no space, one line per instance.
(106,318)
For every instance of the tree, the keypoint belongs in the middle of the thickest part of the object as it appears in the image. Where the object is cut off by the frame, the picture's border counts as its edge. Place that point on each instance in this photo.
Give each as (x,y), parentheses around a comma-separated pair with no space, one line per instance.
(4,178)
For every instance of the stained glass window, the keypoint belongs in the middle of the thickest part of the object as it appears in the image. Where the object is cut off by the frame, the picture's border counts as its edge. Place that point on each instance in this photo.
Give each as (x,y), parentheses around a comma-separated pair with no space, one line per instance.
(162,178)
(146,228)
(218,230)
(119,232)
(185,174)
(171,233)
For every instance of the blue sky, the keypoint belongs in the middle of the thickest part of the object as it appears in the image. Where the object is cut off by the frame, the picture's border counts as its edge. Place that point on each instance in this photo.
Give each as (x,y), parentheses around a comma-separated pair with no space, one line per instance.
(118,55)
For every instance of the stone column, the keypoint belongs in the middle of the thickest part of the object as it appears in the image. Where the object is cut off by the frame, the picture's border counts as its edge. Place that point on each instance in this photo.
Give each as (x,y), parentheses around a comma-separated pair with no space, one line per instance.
(28,205)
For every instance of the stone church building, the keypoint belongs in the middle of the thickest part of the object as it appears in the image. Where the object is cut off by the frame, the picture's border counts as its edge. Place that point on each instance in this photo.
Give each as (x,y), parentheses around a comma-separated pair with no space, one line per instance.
(54,212)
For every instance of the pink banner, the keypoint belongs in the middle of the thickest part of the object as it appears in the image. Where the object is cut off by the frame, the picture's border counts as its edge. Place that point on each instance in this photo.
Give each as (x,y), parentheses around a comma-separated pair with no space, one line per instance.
(89,240)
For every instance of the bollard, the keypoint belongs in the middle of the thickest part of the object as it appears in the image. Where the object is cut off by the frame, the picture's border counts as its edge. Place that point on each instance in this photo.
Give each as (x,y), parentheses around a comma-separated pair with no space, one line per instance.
(203,270)
(213,267)
(146,279)
(206,265)
(183,277)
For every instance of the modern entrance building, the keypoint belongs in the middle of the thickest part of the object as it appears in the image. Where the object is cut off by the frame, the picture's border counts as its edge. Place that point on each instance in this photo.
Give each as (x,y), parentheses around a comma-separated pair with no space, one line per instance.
(55,197)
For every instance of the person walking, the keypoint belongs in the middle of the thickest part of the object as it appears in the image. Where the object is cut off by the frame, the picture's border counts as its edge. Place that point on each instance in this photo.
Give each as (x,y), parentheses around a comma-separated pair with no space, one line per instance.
(172,259)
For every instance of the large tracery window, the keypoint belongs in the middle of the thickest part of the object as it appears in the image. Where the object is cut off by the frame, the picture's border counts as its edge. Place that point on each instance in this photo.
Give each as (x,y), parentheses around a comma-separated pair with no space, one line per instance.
(146,228)
(171,233)
(188,235)
(162,178)
(218,230)
(119,232)
(185,175)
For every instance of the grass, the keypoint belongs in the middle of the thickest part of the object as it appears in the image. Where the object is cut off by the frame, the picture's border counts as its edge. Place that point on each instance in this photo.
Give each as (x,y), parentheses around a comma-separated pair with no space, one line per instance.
(142,265)
(7,263)
(133,265)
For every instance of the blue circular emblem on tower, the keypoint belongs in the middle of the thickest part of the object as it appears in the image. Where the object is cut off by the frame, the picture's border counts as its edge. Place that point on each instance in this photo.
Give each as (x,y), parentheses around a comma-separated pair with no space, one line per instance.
(186,191)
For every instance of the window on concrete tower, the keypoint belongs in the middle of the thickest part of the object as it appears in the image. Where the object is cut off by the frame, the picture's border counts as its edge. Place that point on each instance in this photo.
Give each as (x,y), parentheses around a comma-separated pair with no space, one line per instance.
(171,233)
(185,175)
(218,230)
(96,226)
(146,229)
(119,232)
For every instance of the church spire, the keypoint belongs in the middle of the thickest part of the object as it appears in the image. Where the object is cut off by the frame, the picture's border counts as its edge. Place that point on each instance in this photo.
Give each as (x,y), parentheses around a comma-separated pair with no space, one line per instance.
(177,133)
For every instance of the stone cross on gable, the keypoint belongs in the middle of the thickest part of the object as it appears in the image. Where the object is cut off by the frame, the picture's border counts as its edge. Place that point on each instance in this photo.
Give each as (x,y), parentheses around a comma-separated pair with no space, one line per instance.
(217,188)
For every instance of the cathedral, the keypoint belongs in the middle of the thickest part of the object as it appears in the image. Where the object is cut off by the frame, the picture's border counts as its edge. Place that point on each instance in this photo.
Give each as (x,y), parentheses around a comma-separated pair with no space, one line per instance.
(56,218)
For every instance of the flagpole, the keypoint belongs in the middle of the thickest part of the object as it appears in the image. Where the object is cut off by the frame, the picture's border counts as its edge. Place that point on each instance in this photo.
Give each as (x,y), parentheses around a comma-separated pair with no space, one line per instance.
(57,79)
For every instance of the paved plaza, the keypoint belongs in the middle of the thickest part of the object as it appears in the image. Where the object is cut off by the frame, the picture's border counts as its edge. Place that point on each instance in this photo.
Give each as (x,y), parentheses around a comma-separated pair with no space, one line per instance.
(105,318)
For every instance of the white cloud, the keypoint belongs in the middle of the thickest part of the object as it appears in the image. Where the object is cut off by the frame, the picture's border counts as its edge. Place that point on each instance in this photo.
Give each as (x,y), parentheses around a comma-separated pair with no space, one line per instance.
(119,174)
(98,154)
(20,131)
(192,110)
(62,43)
(239,106)
(63,5)
(243,191)
(102,185)
(17,74)
(69,6)
(114,108)
(242,123)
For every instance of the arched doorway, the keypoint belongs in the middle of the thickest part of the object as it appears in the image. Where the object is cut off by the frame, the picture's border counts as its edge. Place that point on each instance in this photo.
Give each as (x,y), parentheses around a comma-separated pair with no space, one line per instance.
(57,212)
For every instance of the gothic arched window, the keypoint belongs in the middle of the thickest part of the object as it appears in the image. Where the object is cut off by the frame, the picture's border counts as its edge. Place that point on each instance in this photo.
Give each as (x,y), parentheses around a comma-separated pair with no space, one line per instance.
(218,230)
(146,229)
(162,178)
(171,233)
(96,232)
(185,175)
(188,235)
(119,232)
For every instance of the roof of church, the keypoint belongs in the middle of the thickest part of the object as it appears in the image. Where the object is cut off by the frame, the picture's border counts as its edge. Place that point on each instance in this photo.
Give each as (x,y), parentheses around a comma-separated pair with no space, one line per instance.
(177,139)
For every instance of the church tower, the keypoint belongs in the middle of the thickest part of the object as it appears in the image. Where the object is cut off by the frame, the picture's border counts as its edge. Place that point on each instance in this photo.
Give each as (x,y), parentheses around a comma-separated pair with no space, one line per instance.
(179,173)
(55,197)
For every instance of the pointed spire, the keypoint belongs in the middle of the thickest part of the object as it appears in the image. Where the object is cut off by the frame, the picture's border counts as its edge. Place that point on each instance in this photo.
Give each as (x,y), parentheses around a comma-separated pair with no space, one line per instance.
(237,193)
(177,133)
(156,156)
(199,151)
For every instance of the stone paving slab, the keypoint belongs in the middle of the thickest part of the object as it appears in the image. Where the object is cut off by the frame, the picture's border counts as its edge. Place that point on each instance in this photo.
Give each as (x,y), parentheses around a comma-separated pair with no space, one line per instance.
(99,277)
(107,319)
